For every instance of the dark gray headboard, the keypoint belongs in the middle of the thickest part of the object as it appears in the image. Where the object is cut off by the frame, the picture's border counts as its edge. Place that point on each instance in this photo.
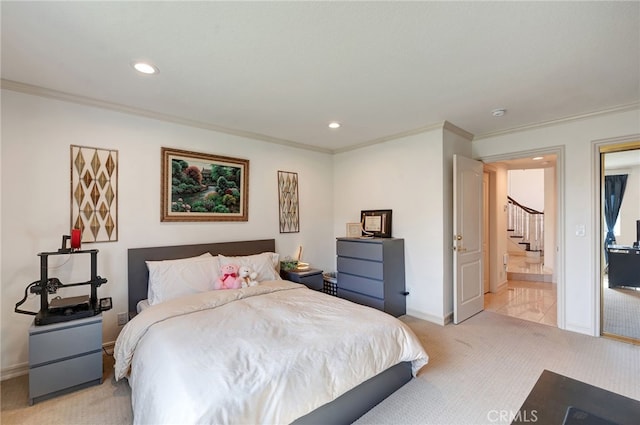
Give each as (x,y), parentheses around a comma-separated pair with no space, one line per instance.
(138,274)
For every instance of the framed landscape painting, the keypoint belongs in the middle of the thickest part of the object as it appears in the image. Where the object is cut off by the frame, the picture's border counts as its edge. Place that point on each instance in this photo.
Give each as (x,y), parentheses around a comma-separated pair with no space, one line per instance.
(203,187)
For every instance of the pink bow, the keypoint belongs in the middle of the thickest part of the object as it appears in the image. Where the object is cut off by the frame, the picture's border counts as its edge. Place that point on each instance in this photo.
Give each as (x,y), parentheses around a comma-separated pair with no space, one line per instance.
(226,275)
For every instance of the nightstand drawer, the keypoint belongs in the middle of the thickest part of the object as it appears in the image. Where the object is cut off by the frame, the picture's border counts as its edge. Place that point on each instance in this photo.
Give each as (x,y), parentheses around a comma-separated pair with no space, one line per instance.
(311,278)
(312,282)
(362,285)
(361,299)
(371,269)
(52,342)
(359,249)
(65,374)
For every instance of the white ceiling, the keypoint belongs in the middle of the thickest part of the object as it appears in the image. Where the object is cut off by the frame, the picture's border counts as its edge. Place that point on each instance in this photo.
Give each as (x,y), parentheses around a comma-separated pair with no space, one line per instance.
(281,71)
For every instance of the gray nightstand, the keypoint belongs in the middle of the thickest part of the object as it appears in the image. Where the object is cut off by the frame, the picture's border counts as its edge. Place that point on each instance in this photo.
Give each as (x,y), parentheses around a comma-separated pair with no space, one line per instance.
(64,357)
(311,278)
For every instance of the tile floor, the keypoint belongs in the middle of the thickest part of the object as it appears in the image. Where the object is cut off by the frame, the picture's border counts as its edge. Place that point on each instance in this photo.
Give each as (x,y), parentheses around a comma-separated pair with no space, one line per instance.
(527,298)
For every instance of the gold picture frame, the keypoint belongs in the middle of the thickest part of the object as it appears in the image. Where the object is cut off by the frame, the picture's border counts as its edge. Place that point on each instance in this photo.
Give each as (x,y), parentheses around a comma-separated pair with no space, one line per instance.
(203,187)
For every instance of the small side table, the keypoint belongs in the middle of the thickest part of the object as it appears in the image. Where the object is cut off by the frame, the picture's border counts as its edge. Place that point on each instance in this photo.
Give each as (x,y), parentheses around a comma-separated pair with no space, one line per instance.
(311,278)
(64,357)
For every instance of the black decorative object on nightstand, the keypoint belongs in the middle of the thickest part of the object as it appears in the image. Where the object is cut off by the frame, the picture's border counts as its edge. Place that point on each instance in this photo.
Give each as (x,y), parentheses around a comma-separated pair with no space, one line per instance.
(311,278)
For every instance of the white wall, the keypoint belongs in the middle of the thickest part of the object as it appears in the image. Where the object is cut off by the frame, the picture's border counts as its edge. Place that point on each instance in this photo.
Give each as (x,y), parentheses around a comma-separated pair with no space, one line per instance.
(409,175)
(580,282)
(403,175)
(413,176)
(35,176)
(527,187)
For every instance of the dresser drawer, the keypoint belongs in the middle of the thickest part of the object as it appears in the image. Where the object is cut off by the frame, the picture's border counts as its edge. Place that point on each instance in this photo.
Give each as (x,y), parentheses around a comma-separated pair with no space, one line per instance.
(363,285)
(65,374)
(47,345)
(359,249)
(371,269)
(361,299)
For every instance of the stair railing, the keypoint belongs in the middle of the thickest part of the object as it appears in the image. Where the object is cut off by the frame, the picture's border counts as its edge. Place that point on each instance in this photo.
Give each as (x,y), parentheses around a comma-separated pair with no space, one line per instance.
(527,223)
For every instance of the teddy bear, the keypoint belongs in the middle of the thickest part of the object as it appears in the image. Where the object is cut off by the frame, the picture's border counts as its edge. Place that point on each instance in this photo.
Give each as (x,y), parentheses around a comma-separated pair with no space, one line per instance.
(229,278)
(248,276)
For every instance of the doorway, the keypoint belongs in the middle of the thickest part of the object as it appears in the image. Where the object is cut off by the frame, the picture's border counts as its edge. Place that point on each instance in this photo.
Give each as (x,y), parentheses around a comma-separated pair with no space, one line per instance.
(619,231)
(512,290)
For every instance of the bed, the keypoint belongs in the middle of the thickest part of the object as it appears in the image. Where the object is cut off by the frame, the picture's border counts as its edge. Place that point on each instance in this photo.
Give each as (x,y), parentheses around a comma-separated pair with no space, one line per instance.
(277,352)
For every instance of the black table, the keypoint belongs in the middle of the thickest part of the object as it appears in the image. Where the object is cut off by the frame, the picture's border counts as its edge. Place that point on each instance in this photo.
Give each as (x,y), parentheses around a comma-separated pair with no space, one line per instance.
(553,394)
(624,266)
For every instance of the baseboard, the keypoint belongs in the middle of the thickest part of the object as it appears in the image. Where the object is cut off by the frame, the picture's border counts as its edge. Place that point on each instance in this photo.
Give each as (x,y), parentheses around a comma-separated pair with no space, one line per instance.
(23,368)
(502,285)
(430,318)
(108,347)
(14,371)
(580,329)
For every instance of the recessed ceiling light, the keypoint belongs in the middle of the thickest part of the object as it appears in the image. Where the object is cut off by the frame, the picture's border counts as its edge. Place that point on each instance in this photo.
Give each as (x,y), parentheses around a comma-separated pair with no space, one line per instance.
(498,112)
(334,125)
(145,68)
(537,158)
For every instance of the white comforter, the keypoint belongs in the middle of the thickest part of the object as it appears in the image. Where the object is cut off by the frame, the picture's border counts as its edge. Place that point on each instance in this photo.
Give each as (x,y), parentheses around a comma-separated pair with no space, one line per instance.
(265,354)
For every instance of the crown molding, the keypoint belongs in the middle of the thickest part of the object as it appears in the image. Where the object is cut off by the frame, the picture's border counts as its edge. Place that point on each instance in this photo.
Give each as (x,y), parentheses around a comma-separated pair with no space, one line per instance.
(457,130)
(391,137)
(617,109)
(444,125)
(88,101)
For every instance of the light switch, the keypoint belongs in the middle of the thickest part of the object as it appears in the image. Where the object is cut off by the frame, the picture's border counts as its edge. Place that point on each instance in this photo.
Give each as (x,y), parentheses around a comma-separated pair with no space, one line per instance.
(580,230)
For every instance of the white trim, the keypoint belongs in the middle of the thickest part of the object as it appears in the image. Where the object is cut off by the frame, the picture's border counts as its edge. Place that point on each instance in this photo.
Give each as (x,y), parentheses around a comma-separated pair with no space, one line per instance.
(87,101)
(391,137)
(14,371)
(457,130)
(445,125)
(614,110)
(438,320)
(83,100)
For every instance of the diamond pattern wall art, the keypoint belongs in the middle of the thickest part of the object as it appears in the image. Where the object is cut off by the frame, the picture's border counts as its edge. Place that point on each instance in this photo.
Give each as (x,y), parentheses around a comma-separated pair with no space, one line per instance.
(94,193)
(288,201)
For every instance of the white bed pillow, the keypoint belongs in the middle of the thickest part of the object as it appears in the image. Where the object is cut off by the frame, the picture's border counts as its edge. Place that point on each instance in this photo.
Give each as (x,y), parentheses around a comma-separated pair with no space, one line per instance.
(142,305)
(265,264)
(170,279)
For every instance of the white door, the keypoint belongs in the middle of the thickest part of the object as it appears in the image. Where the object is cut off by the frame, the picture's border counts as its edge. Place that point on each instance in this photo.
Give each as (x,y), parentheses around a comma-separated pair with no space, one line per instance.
(468,293)
(485,231)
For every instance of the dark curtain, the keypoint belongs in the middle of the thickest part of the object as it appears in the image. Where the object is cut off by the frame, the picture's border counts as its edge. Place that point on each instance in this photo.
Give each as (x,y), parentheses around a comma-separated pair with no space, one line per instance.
(613,193)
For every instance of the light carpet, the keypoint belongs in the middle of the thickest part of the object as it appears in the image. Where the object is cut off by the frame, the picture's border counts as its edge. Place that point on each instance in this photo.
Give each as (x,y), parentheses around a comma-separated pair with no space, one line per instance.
(622,312)
(479,372)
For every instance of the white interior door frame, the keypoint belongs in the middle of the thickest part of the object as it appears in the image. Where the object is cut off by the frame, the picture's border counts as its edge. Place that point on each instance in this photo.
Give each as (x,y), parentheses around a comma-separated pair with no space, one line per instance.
(560,253)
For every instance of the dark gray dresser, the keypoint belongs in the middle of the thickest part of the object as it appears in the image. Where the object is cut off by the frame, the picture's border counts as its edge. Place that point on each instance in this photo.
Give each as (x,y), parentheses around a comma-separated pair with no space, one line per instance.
(64,357)
(371,272)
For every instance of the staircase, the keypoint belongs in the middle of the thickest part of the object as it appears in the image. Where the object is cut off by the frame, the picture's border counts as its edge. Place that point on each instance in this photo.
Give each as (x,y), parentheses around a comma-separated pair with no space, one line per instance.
(526,238)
